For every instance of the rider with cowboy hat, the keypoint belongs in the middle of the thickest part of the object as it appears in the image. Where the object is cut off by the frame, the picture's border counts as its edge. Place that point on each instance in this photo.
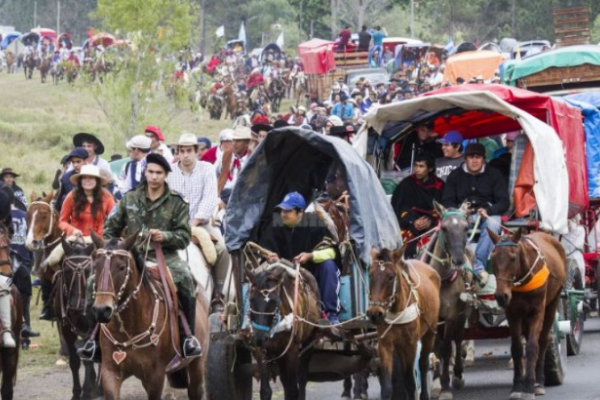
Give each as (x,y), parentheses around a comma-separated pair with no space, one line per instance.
(7,176)
(94,147)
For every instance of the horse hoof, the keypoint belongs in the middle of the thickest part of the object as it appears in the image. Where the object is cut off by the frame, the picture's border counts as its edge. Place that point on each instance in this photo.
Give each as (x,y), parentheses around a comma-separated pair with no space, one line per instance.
(515,395)
(469,362)
(436,389)
(61,362)
(540,390)
(446,396)
(528,396)
(458,383)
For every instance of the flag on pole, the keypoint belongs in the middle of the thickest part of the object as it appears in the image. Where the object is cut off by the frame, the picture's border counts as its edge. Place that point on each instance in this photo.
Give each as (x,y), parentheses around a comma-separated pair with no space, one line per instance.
(279,41)
(220,31)
(242,34)
(449,45)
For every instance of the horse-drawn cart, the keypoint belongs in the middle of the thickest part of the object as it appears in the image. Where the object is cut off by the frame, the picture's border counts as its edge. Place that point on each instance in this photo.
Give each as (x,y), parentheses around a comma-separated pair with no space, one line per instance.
(547,181)
(297,160)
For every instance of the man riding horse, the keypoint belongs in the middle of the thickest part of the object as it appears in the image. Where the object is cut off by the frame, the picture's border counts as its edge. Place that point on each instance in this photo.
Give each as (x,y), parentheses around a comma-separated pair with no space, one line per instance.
(163,215)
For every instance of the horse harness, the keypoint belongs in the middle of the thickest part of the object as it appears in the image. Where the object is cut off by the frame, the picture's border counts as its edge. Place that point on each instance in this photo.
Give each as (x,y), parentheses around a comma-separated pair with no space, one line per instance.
(79,266)
(106,287)
(45,245)
(411,311)
(531,281)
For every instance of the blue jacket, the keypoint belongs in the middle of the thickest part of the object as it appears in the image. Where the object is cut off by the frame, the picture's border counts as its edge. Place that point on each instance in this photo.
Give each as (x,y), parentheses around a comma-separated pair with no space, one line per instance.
(344,111)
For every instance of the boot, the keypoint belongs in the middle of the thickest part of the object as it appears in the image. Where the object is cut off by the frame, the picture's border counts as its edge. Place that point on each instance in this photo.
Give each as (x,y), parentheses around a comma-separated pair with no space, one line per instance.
(27,331)
(191,347)
(90,351)
(47,312)
(8,340)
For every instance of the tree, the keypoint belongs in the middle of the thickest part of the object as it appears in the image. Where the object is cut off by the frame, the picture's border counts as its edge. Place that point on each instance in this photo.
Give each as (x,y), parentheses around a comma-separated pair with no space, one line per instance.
(158,29)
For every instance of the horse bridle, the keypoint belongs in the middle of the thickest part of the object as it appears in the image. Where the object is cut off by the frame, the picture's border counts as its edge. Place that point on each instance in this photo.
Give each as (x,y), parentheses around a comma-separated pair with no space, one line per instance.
(454,271)
(276,313)
(387,305)
(106,285)
(52,212)
(513,280)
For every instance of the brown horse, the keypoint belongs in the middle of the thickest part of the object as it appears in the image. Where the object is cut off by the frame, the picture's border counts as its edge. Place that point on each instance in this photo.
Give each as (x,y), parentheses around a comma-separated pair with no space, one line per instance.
(448,258)
(29,65)
(11,62)
(9,357)
(229,93)
(135,338)
(45,62)
(531,273)
(277,297)
(69,306)
(404,303)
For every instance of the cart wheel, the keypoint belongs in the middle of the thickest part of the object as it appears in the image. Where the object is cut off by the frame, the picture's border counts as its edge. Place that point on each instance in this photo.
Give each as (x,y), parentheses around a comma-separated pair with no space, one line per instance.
(226,377)
(569,310)
(556,359)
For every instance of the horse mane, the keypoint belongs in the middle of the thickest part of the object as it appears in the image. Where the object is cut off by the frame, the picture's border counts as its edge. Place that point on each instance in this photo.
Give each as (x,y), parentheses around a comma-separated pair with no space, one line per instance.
(386,255)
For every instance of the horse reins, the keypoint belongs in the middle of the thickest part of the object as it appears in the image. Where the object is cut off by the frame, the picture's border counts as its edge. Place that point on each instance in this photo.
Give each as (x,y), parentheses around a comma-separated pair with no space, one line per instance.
(516,283)
(79,277)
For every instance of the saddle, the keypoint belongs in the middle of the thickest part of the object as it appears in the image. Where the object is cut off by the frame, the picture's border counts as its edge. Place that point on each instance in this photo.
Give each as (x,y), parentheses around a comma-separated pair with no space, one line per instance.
(206,244)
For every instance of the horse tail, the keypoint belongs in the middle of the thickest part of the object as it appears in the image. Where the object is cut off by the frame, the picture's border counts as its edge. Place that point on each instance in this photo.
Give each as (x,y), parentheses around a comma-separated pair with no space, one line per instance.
(179,379)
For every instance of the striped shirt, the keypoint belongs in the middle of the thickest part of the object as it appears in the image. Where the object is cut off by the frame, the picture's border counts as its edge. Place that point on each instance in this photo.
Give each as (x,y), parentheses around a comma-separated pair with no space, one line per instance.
(198,187)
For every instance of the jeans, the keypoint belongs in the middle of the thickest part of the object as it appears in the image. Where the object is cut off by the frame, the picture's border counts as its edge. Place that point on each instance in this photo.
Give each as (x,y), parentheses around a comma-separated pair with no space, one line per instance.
(327,275)
(485,245)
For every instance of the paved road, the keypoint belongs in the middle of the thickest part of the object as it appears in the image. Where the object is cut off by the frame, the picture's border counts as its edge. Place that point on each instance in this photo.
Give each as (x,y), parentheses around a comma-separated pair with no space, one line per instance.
(490,379)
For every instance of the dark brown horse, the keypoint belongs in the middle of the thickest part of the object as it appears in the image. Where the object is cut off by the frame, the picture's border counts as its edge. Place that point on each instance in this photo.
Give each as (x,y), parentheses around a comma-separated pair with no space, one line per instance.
(9,357)
(29,65)
(404,304)
(229,94)
(135,338)
(531,273)
(449,258)
(277,296)
(45,62)
(69,306)
(276,92)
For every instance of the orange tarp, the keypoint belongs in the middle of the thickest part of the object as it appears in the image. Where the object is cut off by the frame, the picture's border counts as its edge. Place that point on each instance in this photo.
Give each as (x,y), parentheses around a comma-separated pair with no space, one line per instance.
(470,64)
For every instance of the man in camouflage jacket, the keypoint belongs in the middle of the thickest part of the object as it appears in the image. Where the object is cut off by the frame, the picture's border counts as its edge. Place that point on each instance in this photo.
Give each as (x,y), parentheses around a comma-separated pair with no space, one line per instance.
(156,211)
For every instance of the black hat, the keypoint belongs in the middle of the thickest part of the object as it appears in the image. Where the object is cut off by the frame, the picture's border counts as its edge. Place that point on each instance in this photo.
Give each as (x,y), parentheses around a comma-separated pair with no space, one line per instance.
(78,152)
(475,149)
(342,131)
(154,158)
(88,137)
(8,171)
(256,128)
(280,123)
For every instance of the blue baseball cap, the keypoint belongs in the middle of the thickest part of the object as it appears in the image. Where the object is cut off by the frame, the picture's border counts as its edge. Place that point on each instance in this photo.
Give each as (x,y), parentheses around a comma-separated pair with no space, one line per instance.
(78,152)
(292,201)
(452,137)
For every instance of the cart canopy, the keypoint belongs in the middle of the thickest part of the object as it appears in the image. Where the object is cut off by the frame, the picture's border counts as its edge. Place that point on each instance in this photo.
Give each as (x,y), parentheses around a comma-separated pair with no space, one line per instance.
(292,159)
(470,64)
(317,56)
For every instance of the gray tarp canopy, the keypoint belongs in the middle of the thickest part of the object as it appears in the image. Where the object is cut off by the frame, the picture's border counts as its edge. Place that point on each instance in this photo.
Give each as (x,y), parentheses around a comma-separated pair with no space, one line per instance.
(292,159)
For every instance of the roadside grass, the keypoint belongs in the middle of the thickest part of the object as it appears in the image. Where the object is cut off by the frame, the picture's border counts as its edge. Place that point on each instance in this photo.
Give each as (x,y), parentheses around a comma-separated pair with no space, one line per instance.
(37,122)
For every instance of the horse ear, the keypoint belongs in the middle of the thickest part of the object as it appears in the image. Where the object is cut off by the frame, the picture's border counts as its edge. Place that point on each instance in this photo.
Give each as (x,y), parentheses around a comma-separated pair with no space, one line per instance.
(517,235)
(493,235)
(439,209)
(464,207)
(33,197)
(398,254)
(374,254)
(129,241)
(90,249)
(97,240)
(66,246)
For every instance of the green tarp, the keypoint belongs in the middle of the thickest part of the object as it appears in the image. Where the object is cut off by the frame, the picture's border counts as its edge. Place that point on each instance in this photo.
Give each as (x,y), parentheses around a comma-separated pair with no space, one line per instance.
(564,57)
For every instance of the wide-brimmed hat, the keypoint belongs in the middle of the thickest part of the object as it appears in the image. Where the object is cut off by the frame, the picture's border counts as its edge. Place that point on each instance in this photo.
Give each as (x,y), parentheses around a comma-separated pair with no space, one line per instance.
(81,137)
(8,171)
(188,139)
(88,170)
(256,128)
(242,133)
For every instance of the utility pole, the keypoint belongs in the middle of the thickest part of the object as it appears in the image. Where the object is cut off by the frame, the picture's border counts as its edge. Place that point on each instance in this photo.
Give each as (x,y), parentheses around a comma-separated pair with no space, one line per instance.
(412,18)
(300,20)
(58,18)
(512,22)
(203,26)
(35,14)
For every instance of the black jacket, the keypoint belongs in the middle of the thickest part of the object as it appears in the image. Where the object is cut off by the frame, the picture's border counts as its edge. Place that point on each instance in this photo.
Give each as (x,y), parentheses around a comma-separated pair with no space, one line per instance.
(364,40)
(413,199)
(404,159)
(486,190)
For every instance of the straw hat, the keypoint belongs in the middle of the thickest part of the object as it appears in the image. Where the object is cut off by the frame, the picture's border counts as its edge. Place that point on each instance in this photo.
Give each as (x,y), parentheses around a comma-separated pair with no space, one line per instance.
(88,170)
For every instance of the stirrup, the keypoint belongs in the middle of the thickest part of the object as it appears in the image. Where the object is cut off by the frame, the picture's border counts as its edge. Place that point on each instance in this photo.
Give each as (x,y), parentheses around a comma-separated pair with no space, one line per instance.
(195,343)
(88,352)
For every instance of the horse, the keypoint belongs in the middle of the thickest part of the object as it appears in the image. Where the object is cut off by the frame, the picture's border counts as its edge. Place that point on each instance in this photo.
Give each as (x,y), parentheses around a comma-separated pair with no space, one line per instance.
(10,62)
(215,106)
(131,306)
(276,90)
(404,304)
(229,93)
(29,64)
(9,357)
(530,273)
(44,67)
(278,295)
(448,258)
(69,306)
(300,86)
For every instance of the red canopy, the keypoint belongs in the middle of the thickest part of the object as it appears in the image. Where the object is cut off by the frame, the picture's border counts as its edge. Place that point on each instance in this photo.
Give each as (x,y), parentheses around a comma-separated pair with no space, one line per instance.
(317,56)
(566,120)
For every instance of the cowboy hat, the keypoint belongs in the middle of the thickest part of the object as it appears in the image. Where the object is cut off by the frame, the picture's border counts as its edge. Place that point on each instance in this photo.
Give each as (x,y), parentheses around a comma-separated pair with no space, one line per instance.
(188,139)
(88,170)
(256,128)
(8,171)
(242,133)
(81,137)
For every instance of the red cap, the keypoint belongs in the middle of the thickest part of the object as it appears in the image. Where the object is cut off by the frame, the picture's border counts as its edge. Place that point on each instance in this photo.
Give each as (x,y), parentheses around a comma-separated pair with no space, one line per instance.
(156,131)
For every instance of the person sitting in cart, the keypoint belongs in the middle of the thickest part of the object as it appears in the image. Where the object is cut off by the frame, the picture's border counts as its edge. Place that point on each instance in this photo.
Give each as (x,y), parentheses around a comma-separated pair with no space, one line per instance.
(486,191)
(300,236)
(413,198)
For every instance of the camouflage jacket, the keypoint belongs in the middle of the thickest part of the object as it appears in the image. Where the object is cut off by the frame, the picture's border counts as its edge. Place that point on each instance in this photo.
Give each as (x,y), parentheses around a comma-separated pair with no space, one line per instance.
(136,213)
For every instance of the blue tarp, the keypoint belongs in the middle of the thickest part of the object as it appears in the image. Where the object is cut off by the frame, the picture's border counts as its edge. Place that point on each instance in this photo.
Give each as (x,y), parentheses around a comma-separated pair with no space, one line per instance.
(8,39)
(592,98)
(591,123)
(292,159)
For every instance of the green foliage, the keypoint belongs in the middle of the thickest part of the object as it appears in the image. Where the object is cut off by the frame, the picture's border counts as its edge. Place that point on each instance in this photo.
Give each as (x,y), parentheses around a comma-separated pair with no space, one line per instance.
(596,31)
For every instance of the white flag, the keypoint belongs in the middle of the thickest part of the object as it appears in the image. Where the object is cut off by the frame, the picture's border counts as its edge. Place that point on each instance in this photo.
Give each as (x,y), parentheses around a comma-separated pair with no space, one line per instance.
(220,31)
(242,34)
(279,41)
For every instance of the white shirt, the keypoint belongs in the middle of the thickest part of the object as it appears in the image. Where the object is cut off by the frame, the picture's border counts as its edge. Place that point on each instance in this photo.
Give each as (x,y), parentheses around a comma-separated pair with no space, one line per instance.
(126,185)
(164,151)
(234,172)
(198,187)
